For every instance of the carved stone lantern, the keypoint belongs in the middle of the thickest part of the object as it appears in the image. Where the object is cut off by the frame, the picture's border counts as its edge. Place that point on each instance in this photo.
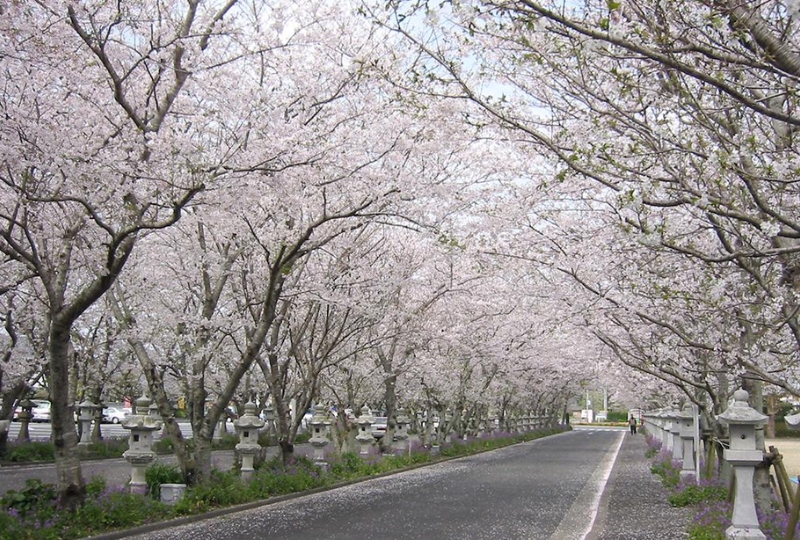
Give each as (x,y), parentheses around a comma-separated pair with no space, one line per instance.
(25,416)
(153,411)
(400,440)
(247,428)
(140,453)
(675,433)
(742,454)
(686,422)
(364,437)
(669,416)
(658,425)
(320,427)
(87,411)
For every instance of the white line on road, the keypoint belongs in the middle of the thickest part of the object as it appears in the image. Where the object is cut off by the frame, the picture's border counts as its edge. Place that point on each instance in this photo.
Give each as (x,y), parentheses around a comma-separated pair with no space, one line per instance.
(575,526)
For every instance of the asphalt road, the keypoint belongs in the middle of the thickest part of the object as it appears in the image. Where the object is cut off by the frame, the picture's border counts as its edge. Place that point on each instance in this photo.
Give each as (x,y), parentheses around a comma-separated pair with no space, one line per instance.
(545,489)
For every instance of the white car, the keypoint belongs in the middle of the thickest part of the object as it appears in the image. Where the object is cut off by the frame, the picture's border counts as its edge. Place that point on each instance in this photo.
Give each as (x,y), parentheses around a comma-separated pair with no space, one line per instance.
(40,411)
(115,415)
(379,427)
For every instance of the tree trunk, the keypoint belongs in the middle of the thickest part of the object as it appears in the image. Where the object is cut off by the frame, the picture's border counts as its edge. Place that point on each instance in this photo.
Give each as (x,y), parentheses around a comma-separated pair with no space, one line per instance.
(390,399)
(772,410)
(71,488)
(202,455)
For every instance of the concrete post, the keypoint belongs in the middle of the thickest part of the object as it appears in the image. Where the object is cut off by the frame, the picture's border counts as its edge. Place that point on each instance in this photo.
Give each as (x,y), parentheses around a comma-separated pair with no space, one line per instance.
(686,420)
(667,429)
(743,456)
(675,434)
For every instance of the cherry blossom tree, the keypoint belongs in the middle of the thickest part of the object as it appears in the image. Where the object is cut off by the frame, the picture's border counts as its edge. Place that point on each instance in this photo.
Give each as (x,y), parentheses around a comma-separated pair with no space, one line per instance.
(98,102)
(683,128)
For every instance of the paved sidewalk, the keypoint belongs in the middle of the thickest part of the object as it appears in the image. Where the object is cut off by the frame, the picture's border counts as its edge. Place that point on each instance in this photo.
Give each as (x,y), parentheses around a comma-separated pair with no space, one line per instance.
(634,505)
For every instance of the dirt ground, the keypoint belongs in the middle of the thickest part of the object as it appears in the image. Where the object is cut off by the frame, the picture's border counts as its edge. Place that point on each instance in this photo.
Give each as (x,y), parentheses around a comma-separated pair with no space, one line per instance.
(790,450)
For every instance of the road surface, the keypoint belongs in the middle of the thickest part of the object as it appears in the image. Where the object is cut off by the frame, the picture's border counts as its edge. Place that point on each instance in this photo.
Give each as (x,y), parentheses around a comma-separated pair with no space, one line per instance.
(545,489)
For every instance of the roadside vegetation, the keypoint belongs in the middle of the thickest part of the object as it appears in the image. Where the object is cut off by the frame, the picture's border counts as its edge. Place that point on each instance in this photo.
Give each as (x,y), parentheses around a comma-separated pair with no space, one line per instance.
(710,500)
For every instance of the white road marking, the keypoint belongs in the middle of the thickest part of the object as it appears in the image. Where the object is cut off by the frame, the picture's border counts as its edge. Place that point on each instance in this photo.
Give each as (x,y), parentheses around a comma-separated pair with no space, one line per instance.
(575,526)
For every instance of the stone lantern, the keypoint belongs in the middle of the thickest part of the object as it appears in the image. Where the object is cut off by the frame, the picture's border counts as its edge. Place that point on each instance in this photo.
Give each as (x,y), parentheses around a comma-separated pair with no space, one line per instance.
(742,454)
(364,437)
(400,440)
(686,423)
(247,428)
(658,425)
(320,427)
(675,433)
(140,453)
(669,417)
(25,416)
(86,414)
(153,411)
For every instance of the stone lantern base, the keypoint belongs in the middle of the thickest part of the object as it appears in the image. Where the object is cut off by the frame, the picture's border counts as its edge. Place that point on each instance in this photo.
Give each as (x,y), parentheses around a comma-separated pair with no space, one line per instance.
(172,493)
(738,533)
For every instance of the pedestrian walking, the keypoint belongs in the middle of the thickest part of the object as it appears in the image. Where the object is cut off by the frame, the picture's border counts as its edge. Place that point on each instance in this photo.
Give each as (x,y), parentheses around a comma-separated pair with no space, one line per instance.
(632,424)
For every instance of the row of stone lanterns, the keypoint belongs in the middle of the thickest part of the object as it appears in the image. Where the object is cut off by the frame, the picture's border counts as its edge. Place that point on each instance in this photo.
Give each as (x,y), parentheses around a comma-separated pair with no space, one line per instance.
(87,412)
(675,429)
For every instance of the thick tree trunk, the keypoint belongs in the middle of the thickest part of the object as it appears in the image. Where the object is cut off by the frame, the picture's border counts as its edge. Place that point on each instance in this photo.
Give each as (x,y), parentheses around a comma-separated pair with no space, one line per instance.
(390,399)
(202,455)
(772,410)
(71,488)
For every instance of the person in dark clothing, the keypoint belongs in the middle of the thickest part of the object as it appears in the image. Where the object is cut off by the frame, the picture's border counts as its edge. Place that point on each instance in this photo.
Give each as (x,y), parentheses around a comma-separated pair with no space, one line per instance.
(632,424)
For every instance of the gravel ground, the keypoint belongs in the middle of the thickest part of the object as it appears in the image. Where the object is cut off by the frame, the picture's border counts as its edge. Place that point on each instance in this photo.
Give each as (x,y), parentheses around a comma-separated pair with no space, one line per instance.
(634,505)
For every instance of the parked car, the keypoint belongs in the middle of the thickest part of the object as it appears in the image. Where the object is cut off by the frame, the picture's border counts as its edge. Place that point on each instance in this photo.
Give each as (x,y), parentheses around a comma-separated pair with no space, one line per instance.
(115,415)
(379,427)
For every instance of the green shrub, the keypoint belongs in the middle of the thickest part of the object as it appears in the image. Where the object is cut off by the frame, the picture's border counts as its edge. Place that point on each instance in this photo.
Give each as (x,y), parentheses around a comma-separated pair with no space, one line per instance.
(165,445)
(96,486)
(349,464)
(108,448)
(223,489)
(30,452)
(617,416)
(705,532)
(693,495)
(668,469)
(264,438)
(115,510)
(30,500)
(783,432)
(228,441)
(158,474)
